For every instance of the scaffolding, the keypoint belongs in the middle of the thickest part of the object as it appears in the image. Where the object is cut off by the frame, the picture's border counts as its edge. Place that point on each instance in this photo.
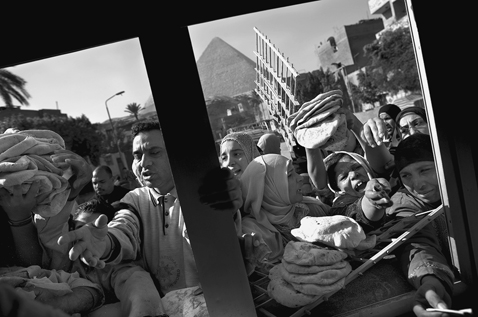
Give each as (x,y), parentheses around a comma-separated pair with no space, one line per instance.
(276,85)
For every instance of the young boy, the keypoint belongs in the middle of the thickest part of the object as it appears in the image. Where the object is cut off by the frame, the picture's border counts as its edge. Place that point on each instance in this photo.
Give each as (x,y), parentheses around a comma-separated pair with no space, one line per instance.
(358,194)
(128,282)
(425,258)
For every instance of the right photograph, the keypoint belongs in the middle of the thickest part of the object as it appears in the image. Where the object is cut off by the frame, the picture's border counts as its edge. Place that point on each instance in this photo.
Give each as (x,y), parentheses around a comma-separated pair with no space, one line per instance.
(322,111)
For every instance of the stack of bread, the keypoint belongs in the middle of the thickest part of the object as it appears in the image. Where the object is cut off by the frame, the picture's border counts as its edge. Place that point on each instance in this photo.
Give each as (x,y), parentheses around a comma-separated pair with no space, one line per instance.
(306,273)
(320,123)
(337,231)
(25,157)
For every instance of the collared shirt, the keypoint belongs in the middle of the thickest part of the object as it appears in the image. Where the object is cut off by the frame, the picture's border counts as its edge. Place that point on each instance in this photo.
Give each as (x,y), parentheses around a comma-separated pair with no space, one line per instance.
(165,249)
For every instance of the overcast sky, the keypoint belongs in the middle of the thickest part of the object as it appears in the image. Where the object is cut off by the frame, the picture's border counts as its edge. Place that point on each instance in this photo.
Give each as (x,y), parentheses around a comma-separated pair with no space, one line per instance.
(79,83)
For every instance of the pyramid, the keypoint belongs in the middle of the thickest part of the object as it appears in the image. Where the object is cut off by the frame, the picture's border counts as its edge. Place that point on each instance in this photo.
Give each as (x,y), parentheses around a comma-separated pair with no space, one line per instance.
(225,71)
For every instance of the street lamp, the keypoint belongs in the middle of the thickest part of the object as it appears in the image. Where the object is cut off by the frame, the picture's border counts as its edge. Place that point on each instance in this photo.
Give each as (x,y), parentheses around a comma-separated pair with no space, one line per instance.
(113,129)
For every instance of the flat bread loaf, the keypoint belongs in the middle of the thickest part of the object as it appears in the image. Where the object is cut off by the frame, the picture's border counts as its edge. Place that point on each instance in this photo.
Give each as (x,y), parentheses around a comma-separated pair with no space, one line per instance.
(283,293)
(315,136)
(318,290)
(305,253)
(337,231)
(327,277)
(311,269)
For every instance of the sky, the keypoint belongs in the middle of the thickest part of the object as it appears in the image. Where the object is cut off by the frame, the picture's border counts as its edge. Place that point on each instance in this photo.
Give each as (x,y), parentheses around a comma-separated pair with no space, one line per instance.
(79,83)
(295,30)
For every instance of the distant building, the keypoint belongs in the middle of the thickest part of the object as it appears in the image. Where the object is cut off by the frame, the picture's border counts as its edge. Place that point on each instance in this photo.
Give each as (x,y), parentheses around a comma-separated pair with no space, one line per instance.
(15,111)
(228,82)
(343,51)
(392,12)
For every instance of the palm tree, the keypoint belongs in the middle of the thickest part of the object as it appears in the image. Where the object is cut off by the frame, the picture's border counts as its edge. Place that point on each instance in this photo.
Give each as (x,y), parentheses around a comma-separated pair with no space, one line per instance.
(134,109)
(12,85)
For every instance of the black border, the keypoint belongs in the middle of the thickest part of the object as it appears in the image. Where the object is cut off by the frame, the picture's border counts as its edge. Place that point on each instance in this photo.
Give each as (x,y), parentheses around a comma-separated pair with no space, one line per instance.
(445,34)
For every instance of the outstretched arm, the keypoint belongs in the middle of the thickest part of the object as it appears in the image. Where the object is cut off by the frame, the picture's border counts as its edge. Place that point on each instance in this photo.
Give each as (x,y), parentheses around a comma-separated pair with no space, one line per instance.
(376,199)
(91,242)
(371,135)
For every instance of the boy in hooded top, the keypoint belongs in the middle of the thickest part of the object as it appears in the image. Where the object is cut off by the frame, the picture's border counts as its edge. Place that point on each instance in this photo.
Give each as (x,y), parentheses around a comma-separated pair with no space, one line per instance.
(358,194)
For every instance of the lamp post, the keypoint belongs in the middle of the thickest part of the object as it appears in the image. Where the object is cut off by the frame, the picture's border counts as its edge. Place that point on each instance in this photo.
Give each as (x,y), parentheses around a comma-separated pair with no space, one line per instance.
(114,131)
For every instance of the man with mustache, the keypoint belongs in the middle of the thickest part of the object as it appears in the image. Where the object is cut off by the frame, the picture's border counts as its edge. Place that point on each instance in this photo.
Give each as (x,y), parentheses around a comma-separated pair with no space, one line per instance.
(149,225)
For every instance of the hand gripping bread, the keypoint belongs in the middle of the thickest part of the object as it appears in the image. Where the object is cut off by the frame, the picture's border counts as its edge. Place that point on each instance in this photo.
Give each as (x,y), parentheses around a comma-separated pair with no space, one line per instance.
(305,253)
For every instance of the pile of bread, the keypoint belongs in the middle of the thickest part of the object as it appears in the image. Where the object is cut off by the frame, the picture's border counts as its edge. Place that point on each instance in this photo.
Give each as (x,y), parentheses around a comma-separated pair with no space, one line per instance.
(320,123)
(306,273)
(25,157)
(317,264)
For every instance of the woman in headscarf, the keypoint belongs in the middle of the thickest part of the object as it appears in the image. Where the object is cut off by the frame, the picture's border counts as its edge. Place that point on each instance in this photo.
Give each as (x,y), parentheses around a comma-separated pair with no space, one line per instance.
(273,202)
(269,143)
(237,151)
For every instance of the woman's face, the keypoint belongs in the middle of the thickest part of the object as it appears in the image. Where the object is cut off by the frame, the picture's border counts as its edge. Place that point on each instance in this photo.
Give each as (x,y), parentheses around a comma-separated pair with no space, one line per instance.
(295,183)
(420,179)
(233,157)
(351,177)
(412,123)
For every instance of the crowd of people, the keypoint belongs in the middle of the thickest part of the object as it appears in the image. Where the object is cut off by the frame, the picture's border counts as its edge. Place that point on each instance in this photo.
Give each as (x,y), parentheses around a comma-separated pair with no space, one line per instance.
(127,248)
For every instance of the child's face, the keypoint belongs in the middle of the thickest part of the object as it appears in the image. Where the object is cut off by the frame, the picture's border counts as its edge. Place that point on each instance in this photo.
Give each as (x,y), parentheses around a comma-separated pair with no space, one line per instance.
(351,177)
(84,218)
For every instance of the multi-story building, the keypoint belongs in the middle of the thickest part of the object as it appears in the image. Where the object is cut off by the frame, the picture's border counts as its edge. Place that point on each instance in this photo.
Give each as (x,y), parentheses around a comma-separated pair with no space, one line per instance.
(343,51)
(392,12)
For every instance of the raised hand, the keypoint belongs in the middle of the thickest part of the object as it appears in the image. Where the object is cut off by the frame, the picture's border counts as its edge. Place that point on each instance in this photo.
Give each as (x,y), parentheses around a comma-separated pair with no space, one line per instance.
(377,191)
(374,131)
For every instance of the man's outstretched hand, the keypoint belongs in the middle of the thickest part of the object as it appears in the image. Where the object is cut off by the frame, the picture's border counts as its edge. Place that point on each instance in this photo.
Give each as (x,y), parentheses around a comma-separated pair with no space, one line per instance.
(89,242)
